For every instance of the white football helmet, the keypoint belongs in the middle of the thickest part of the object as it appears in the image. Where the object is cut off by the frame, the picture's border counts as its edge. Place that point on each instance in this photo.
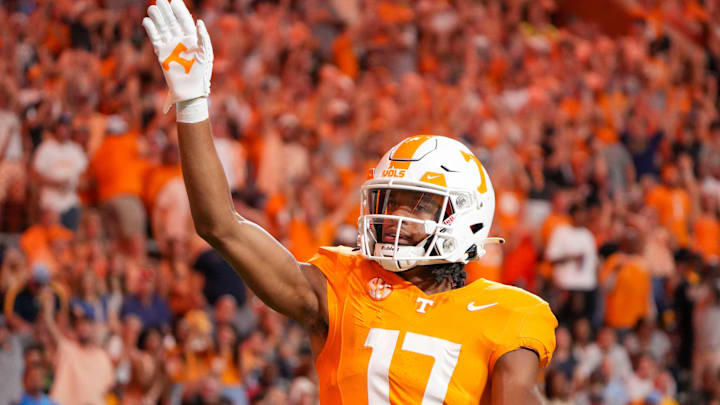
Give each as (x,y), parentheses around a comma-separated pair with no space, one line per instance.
(428,201)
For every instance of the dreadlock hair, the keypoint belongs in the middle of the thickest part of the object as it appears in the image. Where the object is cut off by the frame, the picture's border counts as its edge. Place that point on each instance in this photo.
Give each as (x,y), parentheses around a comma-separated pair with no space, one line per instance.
(455,272)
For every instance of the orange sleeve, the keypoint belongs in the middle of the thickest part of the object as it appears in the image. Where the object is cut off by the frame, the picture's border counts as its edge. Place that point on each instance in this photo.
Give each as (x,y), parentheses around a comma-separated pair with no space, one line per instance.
(531,327)
(333,265)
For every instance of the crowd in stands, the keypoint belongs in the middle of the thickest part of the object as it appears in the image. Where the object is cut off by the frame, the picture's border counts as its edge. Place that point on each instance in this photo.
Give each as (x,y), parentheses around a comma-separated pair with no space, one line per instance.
(604,152)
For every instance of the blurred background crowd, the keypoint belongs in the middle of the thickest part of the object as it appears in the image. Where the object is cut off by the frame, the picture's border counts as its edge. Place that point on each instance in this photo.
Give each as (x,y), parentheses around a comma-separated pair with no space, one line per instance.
(598,123)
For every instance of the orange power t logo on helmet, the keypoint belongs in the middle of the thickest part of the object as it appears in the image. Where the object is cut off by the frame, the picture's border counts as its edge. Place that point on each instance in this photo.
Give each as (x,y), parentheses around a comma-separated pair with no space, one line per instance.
(175,57)
(468,157)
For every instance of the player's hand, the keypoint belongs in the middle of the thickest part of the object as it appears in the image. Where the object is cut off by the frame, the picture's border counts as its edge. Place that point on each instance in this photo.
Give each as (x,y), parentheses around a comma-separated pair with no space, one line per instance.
(183,49)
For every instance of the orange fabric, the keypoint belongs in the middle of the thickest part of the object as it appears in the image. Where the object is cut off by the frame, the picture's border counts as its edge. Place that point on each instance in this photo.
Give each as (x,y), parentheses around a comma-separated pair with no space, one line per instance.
(231,374)
(488,267)
(509,209)
(324,233)
(428,62)
(275,204)
(607,135)
(707,236)
(673,207)
(693,10)
(476,271)
(352,217)
(108,67)
(302,240)
(497,69)
(392,13)
(519,265)
(347,177)
(545,269)
(191,366)
(117,167)
(552,221)
(156,179)
(441,345)
(36,241)
(627,302)
(571,107)
(57,37)
(610,105)
(344,56)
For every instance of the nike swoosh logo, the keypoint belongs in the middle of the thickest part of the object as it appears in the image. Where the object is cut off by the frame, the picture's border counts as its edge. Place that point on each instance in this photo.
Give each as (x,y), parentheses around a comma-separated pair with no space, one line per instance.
(433,176)
(472,307)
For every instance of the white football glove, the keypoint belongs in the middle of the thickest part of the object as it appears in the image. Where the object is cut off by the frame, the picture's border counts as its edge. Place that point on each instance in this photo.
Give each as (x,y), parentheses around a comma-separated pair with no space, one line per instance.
(183,49)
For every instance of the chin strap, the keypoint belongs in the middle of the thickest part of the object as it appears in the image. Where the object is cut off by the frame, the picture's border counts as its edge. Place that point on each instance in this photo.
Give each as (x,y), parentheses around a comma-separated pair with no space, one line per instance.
(387,250)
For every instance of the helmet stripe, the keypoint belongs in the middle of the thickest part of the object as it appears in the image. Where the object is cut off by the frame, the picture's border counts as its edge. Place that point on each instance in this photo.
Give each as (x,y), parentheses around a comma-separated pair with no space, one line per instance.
(400,159)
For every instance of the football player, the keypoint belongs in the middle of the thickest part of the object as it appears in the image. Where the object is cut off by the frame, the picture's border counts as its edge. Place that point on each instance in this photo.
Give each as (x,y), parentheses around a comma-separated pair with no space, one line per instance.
(391,322)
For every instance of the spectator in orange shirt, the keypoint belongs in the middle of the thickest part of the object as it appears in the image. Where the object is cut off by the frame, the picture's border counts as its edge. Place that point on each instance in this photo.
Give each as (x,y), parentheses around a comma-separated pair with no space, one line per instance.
(161,174)
(706,230)
(520,262)
(672,203)
(226,360)
(118,169)
(626,281)
(46,240)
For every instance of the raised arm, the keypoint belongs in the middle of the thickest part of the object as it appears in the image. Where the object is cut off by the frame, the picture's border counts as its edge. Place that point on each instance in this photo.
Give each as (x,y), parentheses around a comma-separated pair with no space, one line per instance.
(291,288)
(47,306)
(263,263)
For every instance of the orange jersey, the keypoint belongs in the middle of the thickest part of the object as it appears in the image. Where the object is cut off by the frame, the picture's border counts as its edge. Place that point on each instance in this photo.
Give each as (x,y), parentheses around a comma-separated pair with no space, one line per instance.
(390,343)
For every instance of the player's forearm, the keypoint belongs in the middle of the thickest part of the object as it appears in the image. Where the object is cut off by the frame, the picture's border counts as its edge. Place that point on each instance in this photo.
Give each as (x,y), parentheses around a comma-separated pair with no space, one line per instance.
(263,263)
(207,187)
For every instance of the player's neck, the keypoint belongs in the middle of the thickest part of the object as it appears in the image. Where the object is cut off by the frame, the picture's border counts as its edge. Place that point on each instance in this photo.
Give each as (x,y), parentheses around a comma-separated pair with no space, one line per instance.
(423,279)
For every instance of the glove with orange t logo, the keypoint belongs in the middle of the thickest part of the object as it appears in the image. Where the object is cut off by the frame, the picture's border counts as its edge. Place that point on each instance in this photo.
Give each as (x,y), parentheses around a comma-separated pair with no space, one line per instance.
(186,57)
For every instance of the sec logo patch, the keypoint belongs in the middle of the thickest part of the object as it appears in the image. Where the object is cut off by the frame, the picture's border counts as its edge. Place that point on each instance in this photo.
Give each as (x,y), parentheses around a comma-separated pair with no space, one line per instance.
(378,289)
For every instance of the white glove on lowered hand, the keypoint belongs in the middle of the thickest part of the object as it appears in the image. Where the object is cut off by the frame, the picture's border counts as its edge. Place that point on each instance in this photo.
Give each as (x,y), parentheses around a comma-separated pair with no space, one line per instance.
(185,54)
